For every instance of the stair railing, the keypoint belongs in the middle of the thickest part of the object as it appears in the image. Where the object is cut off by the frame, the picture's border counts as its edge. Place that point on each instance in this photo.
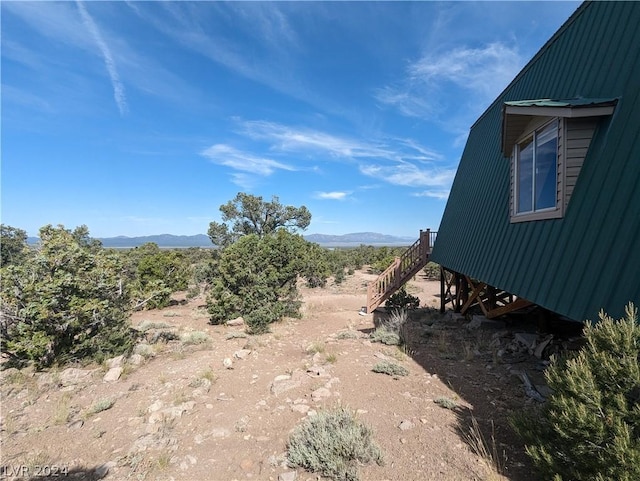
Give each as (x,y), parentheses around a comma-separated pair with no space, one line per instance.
(400,271)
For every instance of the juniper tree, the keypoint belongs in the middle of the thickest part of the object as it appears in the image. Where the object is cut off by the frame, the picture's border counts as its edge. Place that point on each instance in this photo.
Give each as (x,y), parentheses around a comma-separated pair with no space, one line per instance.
(249,214)
(65,301)
(589,429)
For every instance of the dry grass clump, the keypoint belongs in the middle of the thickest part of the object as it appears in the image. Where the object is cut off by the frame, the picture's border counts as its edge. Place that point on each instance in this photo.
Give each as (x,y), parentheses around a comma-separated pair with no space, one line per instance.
(487,451)
(333,443)
(101,405)
(393,329)
(390,368)
(195,337)
(445,402)
(145,326)
(385,336)
(349,334)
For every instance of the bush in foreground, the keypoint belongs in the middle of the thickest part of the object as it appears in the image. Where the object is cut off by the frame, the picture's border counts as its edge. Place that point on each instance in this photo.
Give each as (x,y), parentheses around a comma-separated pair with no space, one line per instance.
(64,302)
(333,443)
(590,427)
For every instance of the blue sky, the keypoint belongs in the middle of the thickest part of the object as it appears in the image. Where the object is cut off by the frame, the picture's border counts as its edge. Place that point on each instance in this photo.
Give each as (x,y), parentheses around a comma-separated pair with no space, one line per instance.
(141,118)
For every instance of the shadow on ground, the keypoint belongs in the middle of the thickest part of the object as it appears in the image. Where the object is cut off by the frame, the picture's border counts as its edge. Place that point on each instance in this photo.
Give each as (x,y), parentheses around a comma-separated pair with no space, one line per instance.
(487,388)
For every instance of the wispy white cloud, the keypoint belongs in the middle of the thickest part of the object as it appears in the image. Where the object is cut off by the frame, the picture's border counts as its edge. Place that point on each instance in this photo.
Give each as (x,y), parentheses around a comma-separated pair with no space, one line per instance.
(24,98)
(292,139)
(335,195)
(431,86)
(409,175)
(434,194)
(396,161)
(229,156)
(247,166)
(485,70)
(118,88)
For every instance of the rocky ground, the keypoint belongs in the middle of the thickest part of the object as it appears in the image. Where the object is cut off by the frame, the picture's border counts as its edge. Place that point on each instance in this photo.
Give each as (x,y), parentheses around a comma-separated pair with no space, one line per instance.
(203,402)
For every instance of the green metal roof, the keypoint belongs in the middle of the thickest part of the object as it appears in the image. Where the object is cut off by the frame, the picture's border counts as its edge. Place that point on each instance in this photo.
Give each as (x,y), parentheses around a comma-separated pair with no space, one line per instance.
(589,259)
(578,102)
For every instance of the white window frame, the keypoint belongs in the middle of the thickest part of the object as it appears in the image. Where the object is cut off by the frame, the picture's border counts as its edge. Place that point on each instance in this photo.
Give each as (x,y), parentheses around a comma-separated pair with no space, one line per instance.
(556,210)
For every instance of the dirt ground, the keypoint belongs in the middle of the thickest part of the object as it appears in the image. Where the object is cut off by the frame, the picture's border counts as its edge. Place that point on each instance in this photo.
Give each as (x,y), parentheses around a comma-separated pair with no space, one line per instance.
(213,405)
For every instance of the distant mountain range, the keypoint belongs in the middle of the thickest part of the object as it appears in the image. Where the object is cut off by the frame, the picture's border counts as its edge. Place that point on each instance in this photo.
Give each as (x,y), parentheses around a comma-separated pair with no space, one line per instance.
(201,240)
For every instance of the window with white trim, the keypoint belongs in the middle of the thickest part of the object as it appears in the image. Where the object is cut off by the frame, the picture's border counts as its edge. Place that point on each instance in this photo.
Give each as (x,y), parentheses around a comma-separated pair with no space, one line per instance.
(536,170)
(547,142)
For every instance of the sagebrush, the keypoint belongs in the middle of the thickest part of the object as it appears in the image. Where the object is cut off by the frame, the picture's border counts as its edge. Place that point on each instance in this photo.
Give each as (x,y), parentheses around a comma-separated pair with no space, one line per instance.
(333,443)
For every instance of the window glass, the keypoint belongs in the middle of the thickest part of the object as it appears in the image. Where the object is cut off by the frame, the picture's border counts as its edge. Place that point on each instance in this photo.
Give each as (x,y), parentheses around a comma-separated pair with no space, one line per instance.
(524,170)
(536,170)
(546,162)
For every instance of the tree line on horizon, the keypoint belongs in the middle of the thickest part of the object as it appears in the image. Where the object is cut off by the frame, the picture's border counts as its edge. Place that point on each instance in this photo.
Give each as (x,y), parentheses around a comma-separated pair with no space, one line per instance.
(69,298)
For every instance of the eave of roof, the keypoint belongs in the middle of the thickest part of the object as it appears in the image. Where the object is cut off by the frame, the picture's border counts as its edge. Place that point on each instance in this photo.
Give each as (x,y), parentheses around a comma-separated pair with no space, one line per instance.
(516,114)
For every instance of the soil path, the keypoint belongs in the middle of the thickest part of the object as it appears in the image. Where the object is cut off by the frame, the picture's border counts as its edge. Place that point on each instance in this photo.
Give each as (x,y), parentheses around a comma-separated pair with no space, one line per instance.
(217,405)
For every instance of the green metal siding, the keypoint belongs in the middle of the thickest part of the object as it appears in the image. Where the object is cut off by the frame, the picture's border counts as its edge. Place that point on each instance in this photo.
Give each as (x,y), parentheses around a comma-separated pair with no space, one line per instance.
(590,258)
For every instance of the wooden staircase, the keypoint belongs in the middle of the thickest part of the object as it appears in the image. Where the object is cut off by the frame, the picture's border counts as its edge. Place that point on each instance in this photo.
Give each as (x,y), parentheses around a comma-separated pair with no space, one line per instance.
(400,271)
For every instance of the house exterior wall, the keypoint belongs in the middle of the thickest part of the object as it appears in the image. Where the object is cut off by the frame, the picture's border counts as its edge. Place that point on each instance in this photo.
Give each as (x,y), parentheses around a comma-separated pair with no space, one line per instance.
(590,258)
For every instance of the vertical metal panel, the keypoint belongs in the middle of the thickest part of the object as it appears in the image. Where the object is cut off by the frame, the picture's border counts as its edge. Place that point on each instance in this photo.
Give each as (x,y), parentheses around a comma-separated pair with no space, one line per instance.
(590,258)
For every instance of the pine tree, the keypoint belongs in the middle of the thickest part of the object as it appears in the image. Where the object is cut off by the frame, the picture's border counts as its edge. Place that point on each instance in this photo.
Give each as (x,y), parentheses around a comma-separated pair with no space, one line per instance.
(589,429)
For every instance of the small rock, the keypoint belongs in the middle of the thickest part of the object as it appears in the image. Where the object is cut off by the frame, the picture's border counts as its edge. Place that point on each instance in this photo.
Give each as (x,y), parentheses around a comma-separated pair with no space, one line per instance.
(136,359)
(227,362)
(283,383)
(300,408)
(403,440)
(156,406)
(528,340)
(317,371)
(541,347)
(242,353)
(112,374)
(72,376)
(238,321)
(288,476)
(102,470)
(44,380)
(317,358)
(406,425)
(77,424)
(320,394)
(246,464)
(220,433)
(115,362)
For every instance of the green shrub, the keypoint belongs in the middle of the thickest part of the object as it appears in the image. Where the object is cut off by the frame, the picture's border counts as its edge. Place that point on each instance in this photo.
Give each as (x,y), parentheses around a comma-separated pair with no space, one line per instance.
(432,271)
(256,279)
(65,301)
(154,274)
(402,300)
(589,429)
(333,443)
(385,336)
(390,368)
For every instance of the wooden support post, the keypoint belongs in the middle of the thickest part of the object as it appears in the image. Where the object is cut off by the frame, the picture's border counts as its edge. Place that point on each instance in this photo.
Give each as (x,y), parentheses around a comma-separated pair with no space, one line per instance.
(491,297)
(464,290)
(458,300)
(443,301)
